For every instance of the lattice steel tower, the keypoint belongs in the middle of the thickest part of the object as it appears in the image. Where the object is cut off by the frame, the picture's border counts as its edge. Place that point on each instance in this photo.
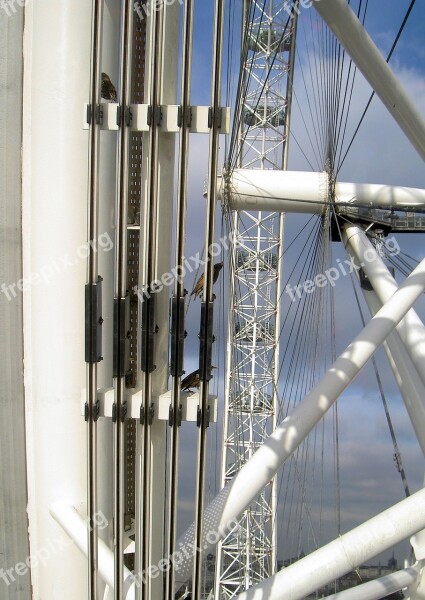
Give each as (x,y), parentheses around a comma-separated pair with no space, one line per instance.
(248,554)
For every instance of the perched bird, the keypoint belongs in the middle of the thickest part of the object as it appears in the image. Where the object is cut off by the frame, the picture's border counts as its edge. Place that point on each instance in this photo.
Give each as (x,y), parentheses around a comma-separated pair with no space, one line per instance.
(108,91)
(192,380)
(199,285)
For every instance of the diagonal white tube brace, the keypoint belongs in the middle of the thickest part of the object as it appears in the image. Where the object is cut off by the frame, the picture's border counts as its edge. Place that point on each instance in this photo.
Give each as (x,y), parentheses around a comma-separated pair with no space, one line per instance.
(341,19)
(410,328)
(344,554)
(410,384)
(76,528)
(406,374)
(379,588)
(264,464)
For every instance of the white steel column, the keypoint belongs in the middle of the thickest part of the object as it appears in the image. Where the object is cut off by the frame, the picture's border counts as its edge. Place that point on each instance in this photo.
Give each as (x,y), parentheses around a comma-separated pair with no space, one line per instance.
(263,465)
(76,528)
(345,553)
(341,19)
(14,543)
(55,149)
(411,328)
(407,376)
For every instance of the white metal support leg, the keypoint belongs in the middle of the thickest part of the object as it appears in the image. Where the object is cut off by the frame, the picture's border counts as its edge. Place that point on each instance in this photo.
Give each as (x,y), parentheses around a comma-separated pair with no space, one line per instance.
(411,328)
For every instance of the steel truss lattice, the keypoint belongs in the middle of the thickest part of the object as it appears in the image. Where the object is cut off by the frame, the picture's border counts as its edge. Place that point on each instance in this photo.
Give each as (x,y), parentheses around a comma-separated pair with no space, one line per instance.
(248,554)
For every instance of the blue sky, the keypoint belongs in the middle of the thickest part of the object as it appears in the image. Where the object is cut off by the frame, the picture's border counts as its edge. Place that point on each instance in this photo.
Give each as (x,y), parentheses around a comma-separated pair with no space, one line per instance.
(380,154)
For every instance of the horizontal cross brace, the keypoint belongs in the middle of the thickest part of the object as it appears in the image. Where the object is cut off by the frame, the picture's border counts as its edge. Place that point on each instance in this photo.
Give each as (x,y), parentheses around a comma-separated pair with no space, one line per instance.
(190,403)
(169,118)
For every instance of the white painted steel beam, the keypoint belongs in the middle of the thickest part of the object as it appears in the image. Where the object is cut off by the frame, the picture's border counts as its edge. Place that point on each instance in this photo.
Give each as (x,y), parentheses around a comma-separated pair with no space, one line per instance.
(309,192)
(54,207)
(408,380)
(380,195)
(341,19)
(411,328)
(410,384)
(76,528)
(379,588)
(264,464)
(345,553)
(14,542)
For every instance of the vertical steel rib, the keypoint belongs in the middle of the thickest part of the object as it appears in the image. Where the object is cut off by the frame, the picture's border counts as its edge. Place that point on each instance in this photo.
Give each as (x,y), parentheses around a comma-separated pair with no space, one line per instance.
(208,289)
(147,276)
(92,276)
(120,288)
(179,291)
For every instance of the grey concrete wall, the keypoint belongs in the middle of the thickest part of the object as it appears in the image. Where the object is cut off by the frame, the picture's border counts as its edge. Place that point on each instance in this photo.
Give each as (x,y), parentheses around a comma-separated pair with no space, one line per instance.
(14,546)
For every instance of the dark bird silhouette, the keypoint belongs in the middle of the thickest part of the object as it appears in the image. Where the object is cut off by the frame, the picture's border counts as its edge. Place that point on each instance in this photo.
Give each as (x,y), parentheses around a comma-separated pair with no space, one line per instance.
(192,380)
(199,285)
(108,91)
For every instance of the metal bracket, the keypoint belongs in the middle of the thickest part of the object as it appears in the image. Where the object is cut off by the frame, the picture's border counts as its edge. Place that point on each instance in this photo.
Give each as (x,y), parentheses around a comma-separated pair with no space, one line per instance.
(128,116)
(217,118)
(147,418)
(98,114)
(170,118)
(179,416)
(96,411)
(178,335)
(121,336)
(206,419)
(93,321)
(151,413)
(180,115)
(149,330)
(123,411)
(206,340)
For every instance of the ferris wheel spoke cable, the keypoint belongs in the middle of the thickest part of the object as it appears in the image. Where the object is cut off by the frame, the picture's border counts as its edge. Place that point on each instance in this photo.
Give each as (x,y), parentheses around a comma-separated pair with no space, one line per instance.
(401,263)
(308,135)
(317,85)
(342,139)
(304,359)
(397,454)
(316,121)
(347,83)
(300,306)
(393,47)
